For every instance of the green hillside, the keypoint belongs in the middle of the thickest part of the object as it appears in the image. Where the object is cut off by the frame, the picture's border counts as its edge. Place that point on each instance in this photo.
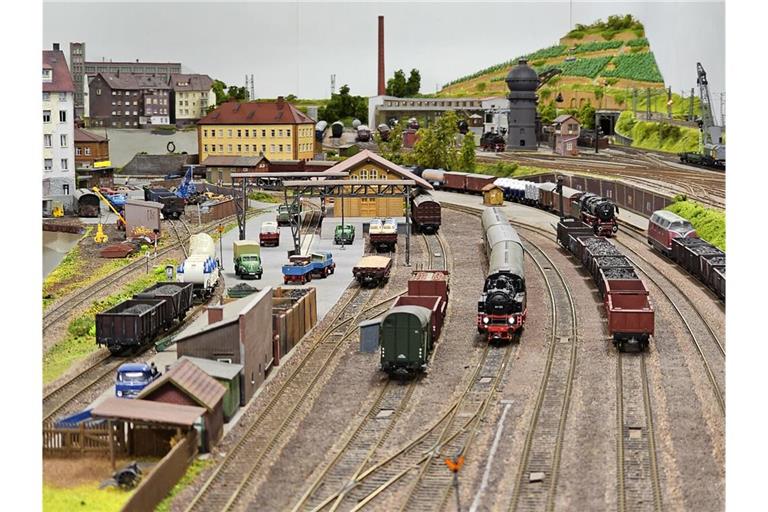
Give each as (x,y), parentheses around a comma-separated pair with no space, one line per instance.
(614,56)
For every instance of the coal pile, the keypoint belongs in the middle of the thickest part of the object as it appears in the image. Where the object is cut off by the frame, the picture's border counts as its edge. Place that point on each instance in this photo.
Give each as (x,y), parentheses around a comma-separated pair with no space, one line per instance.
(241,290)
(717,261)
(612,262)
(167,289)
(620,273)
(690,242)
(296,293)
(136,309)
(705,250)
(604,249)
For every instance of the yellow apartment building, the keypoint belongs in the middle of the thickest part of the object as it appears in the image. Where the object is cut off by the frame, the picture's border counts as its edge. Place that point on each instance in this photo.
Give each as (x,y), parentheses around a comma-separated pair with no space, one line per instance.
(276,130)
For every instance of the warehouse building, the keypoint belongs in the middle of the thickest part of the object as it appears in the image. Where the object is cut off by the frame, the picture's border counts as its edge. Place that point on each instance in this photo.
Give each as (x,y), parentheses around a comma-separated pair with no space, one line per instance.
(367,165)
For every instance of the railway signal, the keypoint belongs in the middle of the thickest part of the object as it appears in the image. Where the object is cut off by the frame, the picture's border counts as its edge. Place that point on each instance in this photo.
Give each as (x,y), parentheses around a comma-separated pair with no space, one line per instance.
(455,465)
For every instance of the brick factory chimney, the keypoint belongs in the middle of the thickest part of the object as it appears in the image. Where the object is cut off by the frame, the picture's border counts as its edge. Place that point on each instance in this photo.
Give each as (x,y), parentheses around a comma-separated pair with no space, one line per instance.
(56,45)
(382,83)
(215,314)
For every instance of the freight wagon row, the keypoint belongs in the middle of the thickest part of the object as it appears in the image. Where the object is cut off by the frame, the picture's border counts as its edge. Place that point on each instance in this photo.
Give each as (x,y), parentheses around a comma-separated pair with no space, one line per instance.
(598,212)
(675,237)
(625,297)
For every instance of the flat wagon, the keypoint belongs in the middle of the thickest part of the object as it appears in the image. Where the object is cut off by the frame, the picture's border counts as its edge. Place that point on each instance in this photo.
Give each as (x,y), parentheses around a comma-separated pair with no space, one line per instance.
(372,271)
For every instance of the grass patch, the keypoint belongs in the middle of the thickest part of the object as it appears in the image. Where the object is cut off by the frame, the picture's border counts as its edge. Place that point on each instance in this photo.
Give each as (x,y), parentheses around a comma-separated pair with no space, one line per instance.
(708,223)
(193,470)
(81,331)
(507,169)
(84,497)
(657,136)
(263,197)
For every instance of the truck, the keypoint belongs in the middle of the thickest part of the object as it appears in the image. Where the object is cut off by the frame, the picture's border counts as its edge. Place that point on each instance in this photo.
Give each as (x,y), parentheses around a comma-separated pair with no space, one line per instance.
(299,270)
(131,378)
(270,234)
(344,234)
(247,259)
(322,264)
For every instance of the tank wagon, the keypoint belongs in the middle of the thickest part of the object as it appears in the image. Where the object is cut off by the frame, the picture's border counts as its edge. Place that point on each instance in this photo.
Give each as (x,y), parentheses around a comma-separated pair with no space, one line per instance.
(426,213)
(600,213)
(363,133)
(320,129)
(435,177)
(410,329)
(337,128)
(384,131)
(200,268)
(135,322)
(383,234)
(502,308)
(625,297)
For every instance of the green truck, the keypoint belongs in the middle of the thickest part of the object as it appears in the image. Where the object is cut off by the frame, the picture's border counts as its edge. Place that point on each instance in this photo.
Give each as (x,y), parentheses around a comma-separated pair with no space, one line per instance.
(247,255)
(344,234)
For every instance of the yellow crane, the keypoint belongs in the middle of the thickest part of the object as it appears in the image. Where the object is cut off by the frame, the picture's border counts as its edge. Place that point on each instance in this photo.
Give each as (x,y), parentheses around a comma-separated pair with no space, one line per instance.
(101,237)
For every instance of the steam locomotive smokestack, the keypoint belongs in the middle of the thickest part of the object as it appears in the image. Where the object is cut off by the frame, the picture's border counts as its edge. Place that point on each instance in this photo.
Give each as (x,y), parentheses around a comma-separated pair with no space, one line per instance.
(382,85)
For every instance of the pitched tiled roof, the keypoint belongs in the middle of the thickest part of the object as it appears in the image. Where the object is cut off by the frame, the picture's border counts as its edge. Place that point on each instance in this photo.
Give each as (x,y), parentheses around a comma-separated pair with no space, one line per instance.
(62,79)
(201,387)
(134,81)
(194,82)
(562,118)
(146,411)
(369,156)
(256,112)
(84,136)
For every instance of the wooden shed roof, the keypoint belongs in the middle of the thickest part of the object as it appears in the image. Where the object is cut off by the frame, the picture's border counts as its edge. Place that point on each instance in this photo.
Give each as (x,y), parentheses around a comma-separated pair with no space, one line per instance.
(147,411)
(198,385)
(215,369)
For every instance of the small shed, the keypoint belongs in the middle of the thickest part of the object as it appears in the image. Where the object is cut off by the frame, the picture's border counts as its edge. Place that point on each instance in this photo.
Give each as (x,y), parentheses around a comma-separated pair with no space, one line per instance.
(187,384)
(148,427)
(493,195)
(140,213)
(566,134)
(228,375)
(369,335)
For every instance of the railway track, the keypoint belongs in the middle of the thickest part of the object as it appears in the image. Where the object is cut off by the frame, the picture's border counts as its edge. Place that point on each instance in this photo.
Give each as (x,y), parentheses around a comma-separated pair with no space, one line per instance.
(358,450)
(228,484)
(638,485)
(61,311)
(102,372)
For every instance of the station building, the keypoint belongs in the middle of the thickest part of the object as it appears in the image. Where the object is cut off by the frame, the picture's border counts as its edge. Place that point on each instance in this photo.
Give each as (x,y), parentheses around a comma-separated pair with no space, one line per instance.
(367,165)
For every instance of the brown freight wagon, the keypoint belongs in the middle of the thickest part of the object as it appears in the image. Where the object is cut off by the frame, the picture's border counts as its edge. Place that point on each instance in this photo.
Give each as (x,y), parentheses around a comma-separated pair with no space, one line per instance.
(476,182)
(630,314)
(455,181)
(568,228)
(429,283)
(545,195)
(436,305)
(426,214)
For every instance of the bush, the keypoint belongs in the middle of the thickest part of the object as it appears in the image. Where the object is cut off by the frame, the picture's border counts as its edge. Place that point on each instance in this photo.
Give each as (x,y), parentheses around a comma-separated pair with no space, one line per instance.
(708,223)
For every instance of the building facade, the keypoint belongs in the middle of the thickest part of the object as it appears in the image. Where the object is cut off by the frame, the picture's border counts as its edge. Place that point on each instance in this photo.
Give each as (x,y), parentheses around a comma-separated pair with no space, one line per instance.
(383,108)
(77,63)
(191,95)
(276,130)
(566,131)
(128,101)
(90,149)
(58,125)
(367,165)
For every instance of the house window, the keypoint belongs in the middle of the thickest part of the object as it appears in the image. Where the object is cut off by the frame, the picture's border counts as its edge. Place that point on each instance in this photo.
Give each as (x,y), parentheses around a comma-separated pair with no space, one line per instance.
(221,133)
(288,148)
(47,141)
(114,93)
(64,164)
(229,148)
(62,116)
(272,148)
(239,133)
(87,151)
(281,148)
(46,116)
(273,132)
(48,164)
(246,133)
(135,113)
(47,75)
(263,133)
(229,133)
(205,133)
(213,148)
(569,146)
(46,96)
(205,147)
(221,148)
(78,151)
(263,148)
(247,148)
(98,92)
(65,188)
(288,132)
(239,148)
(63,140)
(280,133)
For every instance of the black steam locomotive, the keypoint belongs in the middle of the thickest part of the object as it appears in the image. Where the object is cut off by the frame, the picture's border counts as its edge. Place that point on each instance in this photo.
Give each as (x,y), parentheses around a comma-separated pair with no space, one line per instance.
(600,213)
(492,141)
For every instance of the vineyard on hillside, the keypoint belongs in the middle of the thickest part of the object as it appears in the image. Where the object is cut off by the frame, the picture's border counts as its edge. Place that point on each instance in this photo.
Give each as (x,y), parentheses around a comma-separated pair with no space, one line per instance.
(635,66)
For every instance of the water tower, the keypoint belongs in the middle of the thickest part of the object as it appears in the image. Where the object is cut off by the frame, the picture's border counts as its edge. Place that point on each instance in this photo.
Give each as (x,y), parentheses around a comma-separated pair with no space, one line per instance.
(522,82)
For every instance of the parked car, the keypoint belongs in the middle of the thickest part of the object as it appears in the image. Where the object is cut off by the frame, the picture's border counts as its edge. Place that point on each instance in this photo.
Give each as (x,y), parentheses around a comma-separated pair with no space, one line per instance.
(131,378)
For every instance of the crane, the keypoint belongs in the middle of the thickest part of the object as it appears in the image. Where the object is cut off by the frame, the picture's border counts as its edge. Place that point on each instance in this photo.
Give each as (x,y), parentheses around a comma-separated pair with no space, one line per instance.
(711,148)
(101,237)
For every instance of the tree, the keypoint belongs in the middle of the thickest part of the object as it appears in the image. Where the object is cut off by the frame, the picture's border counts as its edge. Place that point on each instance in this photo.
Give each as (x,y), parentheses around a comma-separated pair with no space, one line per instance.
(344,105)
(397,85)
(236,93)
(413,84)
(290,98)
(436,147)
(392,148)
(467,159)
(586,116)
(548,113)
(219,89)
